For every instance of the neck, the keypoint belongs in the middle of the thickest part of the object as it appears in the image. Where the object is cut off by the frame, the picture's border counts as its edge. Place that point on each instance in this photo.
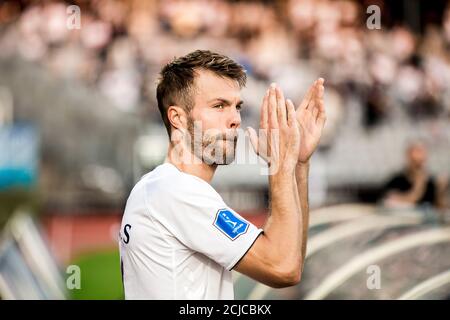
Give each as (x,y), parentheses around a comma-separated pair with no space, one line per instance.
(412,170)
(186,162)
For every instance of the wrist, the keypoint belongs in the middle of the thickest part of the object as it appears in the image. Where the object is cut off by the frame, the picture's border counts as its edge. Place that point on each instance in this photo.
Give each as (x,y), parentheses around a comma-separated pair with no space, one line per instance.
(281,177)
(302,164)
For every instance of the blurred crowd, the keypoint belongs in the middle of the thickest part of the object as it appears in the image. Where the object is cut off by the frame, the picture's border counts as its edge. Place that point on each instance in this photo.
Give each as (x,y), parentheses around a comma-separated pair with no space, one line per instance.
(121,46)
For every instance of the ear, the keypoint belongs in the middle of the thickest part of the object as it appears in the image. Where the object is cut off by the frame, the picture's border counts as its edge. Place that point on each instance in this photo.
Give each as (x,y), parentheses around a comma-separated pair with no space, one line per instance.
(177,117)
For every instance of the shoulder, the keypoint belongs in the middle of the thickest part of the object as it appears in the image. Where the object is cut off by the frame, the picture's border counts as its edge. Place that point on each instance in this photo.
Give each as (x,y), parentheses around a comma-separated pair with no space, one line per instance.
(398,177)
(170,184)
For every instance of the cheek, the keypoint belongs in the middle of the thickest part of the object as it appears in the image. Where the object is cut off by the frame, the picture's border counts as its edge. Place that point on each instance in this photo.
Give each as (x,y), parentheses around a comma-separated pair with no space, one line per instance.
(212,119)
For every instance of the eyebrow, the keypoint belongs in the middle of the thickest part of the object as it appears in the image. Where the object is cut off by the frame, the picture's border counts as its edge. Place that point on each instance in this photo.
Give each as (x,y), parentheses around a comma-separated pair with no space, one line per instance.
(225,101)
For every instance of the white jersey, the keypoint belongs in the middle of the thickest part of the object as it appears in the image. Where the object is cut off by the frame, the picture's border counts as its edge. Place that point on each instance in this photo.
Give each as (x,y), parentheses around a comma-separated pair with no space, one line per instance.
(179,240)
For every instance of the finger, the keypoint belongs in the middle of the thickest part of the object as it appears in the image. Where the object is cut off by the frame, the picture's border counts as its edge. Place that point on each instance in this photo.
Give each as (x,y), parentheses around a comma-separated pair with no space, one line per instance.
(314,95)
(281,107)
(308,96)
(319,105)
(253,139)
(320,83)
(273,121)
(321,117)
(263,123)
(291,121)
(315,111)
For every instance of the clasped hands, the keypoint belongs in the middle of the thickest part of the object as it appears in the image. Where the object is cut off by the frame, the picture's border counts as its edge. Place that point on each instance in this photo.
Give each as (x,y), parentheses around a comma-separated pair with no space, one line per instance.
(288,137)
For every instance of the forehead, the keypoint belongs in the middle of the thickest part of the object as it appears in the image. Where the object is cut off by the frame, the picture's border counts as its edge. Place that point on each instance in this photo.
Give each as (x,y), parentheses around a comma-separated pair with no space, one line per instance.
(210,86)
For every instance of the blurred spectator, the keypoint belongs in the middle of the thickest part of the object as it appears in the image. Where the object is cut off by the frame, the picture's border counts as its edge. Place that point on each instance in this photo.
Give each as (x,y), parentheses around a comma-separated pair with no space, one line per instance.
(414,185)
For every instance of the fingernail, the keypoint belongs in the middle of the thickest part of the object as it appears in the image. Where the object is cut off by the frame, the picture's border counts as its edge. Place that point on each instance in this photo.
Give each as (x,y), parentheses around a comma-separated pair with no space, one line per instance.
(273,85)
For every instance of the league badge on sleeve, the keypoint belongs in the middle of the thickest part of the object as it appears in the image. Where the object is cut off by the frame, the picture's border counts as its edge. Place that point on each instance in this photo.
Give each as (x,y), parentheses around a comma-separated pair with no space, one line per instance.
(230,224)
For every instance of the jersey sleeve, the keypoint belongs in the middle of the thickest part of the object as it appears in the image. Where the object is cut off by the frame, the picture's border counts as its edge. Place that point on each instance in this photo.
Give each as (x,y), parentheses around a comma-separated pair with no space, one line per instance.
(197,216)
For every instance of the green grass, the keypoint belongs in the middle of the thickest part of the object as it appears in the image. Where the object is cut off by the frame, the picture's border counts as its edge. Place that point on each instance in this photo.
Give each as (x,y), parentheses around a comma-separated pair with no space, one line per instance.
(100,276)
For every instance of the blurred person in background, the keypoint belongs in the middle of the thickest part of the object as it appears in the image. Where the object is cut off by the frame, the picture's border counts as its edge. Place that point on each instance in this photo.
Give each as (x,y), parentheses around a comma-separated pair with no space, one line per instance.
(415,186)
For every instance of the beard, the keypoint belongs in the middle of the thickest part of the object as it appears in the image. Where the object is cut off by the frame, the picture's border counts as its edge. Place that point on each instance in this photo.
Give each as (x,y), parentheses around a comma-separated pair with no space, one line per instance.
(211,146)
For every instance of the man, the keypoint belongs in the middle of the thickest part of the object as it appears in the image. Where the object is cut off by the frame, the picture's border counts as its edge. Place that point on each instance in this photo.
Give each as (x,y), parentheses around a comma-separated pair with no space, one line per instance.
(414,185)
(179,240)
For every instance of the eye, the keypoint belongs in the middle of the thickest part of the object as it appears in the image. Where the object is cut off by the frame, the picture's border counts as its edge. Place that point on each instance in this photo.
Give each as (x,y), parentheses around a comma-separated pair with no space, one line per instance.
(219,106)
(239,107)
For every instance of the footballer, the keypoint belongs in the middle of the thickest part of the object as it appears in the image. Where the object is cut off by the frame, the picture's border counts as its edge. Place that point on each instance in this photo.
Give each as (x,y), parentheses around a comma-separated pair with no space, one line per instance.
(178,238)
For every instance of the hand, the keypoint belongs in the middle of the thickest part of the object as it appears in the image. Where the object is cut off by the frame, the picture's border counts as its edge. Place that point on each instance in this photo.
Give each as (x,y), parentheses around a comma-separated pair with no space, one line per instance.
(311,119)
(279,139)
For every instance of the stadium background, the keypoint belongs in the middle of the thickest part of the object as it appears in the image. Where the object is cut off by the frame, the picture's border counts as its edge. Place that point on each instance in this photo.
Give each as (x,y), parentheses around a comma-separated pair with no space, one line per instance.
(79,125)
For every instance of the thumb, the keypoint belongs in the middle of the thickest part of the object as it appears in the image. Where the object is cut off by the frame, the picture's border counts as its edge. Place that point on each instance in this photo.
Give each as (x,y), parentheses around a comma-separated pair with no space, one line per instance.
(253,138)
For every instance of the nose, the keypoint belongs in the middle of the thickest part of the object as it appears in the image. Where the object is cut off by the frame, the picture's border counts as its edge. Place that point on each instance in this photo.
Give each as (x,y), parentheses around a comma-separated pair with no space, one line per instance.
(235,119)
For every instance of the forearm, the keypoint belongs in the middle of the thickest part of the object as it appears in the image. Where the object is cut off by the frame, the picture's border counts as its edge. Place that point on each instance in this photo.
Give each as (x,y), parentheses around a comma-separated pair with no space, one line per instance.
(283,227)
(301,179)
(411,196)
